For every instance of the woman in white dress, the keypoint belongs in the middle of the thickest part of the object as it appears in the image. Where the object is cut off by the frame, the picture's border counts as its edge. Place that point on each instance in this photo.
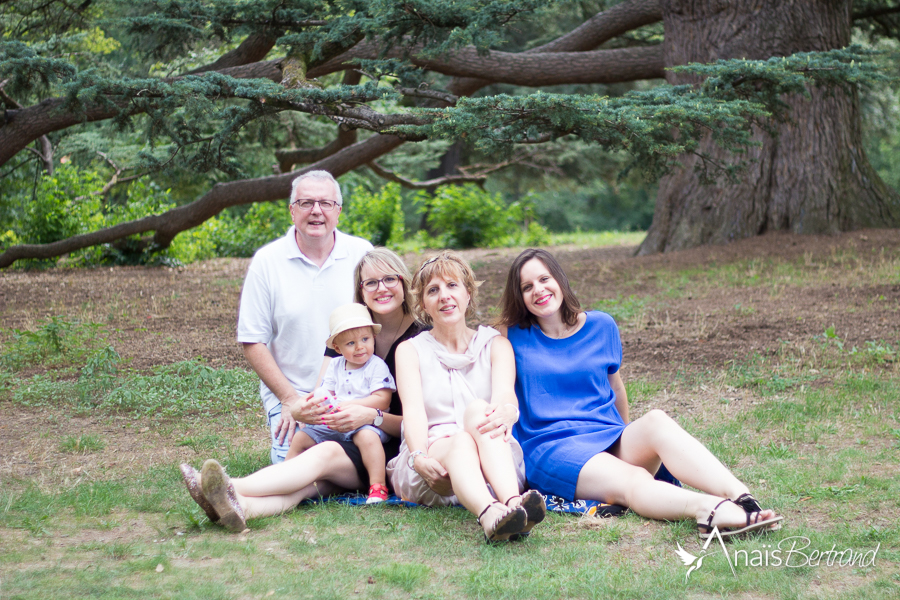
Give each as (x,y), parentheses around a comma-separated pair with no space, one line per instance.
(459,406)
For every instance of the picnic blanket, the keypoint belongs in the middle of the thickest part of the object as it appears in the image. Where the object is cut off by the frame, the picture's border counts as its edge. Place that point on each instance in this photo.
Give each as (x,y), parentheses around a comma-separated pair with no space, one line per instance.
(554,503)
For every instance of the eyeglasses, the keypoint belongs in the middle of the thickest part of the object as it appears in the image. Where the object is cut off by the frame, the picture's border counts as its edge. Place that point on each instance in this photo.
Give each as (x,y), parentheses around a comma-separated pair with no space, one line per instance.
(389,281)
(326,205)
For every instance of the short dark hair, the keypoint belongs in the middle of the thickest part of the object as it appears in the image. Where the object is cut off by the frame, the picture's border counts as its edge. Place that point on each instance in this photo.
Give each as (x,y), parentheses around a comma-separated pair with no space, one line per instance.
(512,307)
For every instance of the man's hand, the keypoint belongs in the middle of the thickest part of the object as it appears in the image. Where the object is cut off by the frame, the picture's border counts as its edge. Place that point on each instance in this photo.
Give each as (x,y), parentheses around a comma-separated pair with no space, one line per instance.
(308,410)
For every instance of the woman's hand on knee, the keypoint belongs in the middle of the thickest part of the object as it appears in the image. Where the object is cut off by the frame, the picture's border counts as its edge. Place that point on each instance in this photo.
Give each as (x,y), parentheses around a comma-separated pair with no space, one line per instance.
(434,474)
(308,410)
(498,421)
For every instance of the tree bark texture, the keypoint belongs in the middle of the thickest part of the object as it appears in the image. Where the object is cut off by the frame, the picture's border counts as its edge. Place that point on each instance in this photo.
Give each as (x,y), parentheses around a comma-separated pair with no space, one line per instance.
(813,176)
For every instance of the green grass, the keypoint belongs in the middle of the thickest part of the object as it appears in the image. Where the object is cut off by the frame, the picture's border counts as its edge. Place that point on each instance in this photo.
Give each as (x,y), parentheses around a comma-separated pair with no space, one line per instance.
(55,343)
(184,389)
(597,239)
(82,444)
(800,451)
(840,267)
(813,427)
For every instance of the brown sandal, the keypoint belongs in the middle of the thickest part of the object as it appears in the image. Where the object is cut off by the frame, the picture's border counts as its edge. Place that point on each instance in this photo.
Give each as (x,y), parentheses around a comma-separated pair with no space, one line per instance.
(510,523)
(535,510)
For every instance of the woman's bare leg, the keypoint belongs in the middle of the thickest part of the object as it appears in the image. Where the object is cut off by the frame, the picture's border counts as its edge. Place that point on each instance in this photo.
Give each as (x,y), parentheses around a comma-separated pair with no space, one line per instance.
(655,436)
(495,454)
(280,487)
(269,506)
(459,455)
(609,479)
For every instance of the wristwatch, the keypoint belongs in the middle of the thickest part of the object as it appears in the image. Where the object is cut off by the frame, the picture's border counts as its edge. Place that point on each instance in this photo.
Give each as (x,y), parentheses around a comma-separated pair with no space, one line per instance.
(411,461)
(379,418)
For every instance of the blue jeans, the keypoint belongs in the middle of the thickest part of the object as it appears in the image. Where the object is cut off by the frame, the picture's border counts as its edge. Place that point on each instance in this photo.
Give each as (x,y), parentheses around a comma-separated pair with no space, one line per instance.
(279,451)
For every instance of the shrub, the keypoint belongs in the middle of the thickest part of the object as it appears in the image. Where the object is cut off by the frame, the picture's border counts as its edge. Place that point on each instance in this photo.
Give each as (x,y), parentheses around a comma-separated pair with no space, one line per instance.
(377,217)
(241,234)
(467,216)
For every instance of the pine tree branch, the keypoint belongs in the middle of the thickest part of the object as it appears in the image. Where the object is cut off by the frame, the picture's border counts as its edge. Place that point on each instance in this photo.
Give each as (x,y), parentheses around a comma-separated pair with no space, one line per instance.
(252,50)
(247,191)
(46,151)
(528,69)
(605,25)
(288,158)
(115,179)
(597,30)
(873,13)
(475,173)
(421,92)
(423,185)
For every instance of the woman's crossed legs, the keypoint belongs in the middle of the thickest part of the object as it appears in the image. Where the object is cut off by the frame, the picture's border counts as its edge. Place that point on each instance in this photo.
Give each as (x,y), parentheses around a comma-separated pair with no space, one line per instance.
(323,469)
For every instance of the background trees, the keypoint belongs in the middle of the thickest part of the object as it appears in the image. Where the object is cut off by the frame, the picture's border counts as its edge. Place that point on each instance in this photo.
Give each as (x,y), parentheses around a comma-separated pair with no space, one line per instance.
(202,97)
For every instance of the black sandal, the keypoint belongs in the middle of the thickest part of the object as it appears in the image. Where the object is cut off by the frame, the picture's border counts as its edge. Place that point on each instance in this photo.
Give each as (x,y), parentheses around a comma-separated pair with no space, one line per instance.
(506,525)
(753,523)
(748,503)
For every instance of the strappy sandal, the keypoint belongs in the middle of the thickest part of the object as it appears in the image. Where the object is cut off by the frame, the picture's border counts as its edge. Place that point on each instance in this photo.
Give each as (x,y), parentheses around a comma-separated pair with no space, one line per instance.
(753,524)
(219,492)
(535,510)
(191,481)
(507,524)
(748,503)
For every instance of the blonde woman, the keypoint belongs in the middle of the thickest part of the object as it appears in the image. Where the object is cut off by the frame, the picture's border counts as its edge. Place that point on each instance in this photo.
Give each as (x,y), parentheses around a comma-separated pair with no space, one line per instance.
(382,284)
(459,406)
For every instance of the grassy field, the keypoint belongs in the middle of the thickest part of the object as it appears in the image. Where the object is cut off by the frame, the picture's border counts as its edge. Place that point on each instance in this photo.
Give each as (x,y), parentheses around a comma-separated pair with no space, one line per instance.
(92,504)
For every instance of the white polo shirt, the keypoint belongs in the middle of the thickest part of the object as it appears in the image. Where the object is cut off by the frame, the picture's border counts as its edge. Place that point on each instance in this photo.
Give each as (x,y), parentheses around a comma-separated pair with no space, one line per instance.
(286,301)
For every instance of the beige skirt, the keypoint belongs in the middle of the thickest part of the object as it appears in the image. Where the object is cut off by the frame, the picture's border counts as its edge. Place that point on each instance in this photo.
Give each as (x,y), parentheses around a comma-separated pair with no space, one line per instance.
(410,486)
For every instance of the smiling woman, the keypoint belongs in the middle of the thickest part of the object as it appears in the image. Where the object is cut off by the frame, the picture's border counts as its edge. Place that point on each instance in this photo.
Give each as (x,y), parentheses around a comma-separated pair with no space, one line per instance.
(456,386)
(575,428)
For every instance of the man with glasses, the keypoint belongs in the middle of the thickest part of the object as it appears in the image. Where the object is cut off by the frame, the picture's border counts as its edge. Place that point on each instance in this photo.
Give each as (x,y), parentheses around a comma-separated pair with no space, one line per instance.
(291,287)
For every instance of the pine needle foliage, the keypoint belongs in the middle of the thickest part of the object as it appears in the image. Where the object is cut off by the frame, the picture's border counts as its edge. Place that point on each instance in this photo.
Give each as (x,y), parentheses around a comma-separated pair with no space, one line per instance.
(195,121)
(179,88)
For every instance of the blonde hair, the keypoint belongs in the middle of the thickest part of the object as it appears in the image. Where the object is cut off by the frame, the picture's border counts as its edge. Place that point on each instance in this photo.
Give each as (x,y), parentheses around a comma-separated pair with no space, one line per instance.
(387,262)
(449,266)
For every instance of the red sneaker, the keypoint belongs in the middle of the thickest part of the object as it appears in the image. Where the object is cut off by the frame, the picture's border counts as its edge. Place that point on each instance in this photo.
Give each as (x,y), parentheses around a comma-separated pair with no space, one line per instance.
(378,492)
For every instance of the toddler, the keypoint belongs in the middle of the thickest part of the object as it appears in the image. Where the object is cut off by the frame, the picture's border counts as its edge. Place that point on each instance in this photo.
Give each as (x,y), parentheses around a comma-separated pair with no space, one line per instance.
(356,377)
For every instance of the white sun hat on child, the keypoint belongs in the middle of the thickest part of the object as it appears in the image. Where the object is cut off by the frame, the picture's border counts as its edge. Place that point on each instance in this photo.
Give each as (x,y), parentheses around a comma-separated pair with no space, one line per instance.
(349,316)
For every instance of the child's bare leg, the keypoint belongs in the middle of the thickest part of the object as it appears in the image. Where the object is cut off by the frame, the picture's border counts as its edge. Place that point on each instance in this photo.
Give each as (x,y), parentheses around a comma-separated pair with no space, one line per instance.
(299,444)
(372,451)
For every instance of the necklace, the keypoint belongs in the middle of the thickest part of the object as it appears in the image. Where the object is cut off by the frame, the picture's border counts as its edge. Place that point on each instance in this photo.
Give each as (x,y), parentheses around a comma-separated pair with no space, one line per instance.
(397,330)
(564,333)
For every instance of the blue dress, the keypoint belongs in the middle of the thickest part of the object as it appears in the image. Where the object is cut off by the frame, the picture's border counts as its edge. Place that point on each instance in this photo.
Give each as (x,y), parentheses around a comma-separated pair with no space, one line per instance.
(568,412)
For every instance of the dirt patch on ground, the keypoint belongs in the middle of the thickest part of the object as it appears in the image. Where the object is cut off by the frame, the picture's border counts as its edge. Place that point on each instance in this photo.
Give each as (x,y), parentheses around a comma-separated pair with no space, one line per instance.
(161,315)
(780,288)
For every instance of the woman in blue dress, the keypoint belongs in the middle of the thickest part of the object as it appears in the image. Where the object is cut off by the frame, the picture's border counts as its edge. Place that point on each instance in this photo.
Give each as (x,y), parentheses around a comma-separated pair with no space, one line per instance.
(574,426)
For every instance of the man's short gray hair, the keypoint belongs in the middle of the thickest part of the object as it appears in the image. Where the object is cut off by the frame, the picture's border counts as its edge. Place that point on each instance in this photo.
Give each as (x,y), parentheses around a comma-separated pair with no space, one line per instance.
(324,175)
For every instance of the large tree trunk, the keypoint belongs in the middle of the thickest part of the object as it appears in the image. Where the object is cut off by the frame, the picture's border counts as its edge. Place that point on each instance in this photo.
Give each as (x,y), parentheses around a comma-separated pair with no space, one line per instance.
(813,176)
